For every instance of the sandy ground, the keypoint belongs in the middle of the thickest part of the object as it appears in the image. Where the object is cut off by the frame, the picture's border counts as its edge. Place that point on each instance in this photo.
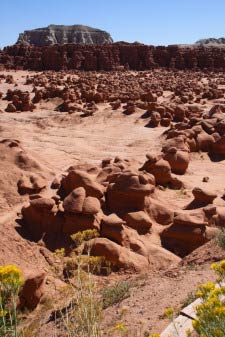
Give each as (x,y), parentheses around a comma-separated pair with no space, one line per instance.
(144,309)
(58,140)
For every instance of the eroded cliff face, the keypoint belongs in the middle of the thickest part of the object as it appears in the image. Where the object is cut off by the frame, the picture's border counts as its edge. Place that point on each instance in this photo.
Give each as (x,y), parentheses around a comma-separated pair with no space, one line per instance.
(117,56)
(59,34)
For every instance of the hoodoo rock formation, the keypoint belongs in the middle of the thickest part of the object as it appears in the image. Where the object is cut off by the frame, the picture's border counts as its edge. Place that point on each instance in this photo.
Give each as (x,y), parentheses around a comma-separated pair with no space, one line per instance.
(134,158)
(60,34)
(117,56)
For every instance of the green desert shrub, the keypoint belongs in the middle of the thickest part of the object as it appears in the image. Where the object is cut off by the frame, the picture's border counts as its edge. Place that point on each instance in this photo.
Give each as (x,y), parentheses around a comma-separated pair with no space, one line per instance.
(220,238)
(115,293)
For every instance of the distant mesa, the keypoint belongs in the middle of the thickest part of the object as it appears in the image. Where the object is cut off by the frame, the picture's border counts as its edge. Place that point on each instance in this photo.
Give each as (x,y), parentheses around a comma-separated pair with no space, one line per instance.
(59,34)
(211,41)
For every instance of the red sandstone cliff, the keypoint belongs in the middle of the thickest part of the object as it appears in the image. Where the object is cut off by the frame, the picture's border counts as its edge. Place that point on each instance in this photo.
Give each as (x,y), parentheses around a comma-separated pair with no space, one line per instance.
(112,57)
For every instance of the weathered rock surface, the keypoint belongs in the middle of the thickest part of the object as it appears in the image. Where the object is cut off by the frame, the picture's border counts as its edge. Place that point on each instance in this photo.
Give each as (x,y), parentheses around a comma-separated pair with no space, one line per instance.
(60,34)
(32,290)
(111,57)
(187,233)
(211,41)
(119,256)
(128,192)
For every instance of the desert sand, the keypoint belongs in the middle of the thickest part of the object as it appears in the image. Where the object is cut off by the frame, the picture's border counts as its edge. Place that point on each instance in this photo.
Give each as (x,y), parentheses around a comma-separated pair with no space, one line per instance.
(90,133)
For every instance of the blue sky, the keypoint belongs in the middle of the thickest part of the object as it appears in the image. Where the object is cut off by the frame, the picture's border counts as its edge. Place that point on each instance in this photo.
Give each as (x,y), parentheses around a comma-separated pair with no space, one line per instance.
(157,22)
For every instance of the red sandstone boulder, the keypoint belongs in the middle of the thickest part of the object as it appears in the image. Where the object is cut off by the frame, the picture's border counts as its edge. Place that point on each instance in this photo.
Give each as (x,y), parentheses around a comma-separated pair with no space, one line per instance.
(73,203)
(155,119)
(139,221)
(55,183)
(112,220)
(10,108)
(106,173)
(159,212)
(187,233)
(77,178)
(32,290)
(203,196)
(31,184)
(165,122)
(120,257)
(41,217)
(178,142)
(205,142)
(179,113)
(91,206)
(219,218)
(80,212)
(178,160)
(189,219)
(218,146)
(127,192)
(159,168)
(74,223)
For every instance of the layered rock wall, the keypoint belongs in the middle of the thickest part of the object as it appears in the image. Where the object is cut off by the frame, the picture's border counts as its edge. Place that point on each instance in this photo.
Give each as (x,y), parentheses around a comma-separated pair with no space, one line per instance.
(117,56)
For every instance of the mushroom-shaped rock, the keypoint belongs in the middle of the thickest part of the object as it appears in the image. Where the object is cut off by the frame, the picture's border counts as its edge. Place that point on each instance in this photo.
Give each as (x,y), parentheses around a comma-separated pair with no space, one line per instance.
(160,169)
(178,160)
(129,238)
(178,142)
(41,217)
(202,196)
(128,192)
(187,233)
(77,178)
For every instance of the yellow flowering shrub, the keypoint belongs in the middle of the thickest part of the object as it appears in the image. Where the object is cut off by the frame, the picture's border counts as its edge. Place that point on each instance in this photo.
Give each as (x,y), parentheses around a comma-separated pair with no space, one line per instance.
(10,278)
(219,269)
(10,283)
(210,319)
(60,253)
(92,263)
(79,237)
(169,312)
